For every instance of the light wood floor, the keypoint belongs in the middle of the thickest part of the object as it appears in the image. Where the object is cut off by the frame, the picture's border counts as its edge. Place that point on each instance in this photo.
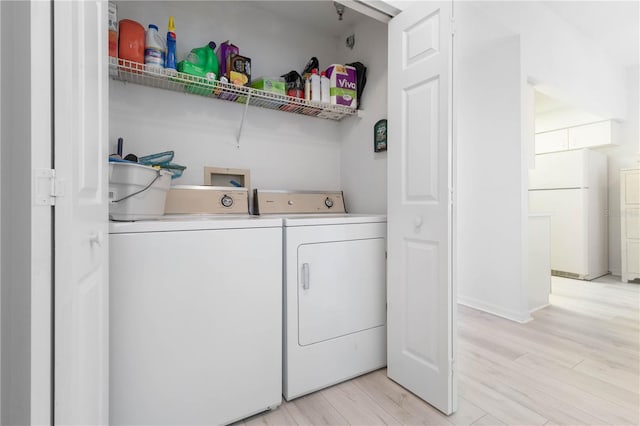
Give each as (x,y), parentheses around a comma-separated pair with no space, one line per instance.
(576,363)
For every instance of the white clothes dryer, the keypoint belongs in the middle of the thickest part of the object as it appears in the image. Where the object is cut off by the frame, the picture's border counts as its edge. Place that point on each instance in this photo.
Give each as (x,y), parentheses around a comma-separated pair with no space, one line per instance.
(334,283)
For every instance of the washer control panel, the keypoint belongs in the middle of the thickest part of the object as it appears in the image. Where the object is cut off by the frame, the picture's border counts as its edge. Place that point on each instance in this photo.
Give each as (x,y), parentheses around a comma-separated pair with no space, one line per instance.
(294,202)
(193,199)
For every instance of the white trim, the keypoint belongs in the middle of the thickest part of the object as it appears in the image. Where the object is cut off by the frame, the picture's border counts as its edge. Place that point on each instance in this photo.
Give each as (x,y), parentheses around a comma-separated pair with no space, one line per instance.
(374,9)
(616,272)
(41,216)
(539,307)
(520,317)
(0,225)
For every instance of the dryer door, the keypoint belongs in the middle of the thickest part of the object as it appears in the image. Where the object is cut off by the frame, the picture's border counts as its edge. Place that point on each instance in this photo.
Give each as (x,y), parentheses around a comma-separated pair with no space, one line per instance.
(341,288)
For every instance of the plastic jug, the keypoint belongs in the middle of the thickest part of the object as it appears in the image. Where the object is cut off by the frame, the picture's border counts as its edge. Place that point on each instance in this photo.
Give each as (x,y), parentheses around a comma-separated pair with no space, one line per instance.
(201,62)
(131,42)
(154,48)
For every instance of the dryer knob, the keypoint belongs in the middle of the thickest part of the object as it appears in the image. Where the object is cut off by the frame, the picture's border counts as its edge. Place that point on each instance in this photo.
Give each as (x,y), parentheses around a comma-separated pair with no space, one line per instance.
(226,201)
(328,202)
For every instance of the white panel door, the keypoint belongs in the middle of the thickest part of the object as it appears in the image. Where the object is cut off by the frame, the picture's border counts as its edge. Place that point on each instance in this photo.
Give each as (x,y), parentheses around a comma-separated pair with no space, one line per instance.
(81,251)
(420,295)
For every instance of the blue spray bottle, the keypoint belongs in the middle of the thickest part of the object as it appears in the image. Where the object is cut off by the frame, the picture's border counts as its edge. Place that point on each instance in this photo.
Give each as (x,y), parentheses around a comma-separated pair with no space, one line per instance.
(171,61)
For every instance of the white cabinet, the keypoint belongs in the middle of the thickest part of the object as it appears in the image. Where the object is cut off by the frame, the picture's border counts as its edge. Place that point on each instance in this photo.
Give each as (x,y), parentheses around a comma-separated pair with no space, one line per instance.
(630,223)
(555,140)
(601,133)
(595,134)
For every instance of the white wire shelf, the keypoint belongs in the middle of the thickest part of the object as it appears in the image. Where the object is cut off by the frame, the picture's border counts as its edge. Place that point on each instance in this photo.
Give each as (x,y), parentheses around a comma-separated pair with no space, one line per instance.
(162,78)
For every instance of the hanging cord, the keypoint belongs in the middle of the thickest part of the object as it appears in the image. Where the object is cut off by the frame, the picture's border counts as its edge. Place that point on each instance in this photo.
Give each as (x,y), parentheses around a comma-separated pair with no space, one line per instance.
(142,190)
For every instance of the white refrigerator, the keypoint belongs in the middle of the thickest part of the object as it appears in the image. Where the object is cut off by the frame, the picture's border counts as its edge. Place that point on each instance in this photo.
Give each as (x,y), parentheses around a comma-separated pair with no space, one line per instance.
(572,187)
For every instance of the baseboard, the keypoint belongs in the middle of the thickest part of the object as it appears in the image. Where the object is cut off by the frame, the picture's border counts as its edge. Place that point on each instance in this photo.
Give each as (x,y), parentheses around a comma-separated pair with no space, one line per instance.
(521,317)
(539,307)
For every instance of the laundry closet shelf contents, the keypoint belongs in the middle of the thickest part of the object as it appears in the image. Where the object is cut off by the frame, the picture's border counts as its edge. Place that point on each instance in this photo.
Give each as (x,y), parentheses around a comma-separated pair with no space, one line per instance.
(133,72)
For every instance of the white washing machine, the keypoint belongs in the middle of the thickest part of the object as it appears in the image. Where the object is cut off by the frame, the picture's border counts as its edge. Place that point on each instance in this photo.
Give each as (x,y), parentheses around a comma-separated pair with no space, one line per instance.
(195,319)
(334,289)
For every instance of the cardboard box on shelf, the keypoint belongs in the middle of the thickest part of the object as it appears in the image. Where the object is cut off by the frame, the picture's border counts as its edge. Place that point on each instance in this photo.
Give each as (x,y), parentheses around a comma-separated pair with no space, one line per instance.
(240,70)
(343,85)
(272,85)
(225,50)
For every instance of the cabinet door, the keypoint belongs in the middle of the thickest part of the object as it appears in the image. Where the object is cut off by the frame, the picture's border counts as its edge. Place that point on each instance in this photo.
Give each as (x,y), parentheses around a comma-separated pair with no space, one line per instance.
(632,257)
(420,293)
(630,223)
(631,188)
(595,134)
(556,140)
(341,290)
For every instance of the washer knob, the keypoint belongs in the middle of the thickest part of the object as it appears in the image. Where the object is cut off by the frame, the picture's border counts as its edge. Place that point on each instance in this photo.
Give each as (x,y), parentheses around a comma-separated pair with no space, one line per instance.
(328,202)
(226,201)
(290,202)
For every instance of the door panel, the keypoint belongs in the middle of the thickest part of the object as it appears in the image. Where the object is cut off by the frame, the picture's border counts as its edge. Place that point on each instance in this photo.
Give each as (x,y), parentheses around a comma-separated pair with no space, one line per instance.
(632,220)
(633,257)
(420,301)
(420,328)
(421,177)
(81,243)
(339,292)
(422,39)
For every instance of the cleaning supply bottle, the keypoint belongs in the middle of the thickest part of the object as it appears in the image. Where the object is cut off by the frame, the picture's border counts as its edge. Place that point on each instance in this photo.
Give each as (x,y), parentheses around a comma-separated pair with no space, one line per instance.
(201,62)
(315,86)
(171,61)
(154,48)
(307,89)
(325,83)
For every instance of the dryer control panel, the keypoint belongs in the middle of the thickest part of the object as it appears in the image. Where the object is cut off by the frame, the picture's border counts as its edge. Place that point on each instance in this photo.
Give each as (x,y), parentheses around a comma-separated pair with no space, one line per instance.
(294,202)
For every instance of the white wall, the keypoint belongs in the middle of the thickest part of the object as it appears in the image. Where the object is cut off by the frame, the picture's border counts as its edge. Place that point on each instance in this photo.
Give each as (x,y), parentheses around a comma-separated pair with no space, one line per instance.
(489,188)
(1,221)
(563,61)
(582,75)
(626,155)
(559,61)
(363,171)
(283,151)
(623,155)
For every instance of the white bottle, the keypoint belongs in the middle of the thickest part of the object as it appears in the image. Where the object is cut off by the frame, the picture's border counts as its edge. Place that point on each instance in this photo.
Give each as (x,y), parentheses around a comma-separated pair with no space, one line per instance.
(325,83)
(307,89)
(154,48)
(315,86)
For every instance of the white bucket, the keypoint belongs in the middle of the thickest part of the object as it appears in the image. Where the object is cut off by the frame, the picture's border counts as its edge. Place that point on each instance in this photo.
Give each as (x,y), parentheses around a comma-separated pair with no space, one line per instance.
(137,192)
